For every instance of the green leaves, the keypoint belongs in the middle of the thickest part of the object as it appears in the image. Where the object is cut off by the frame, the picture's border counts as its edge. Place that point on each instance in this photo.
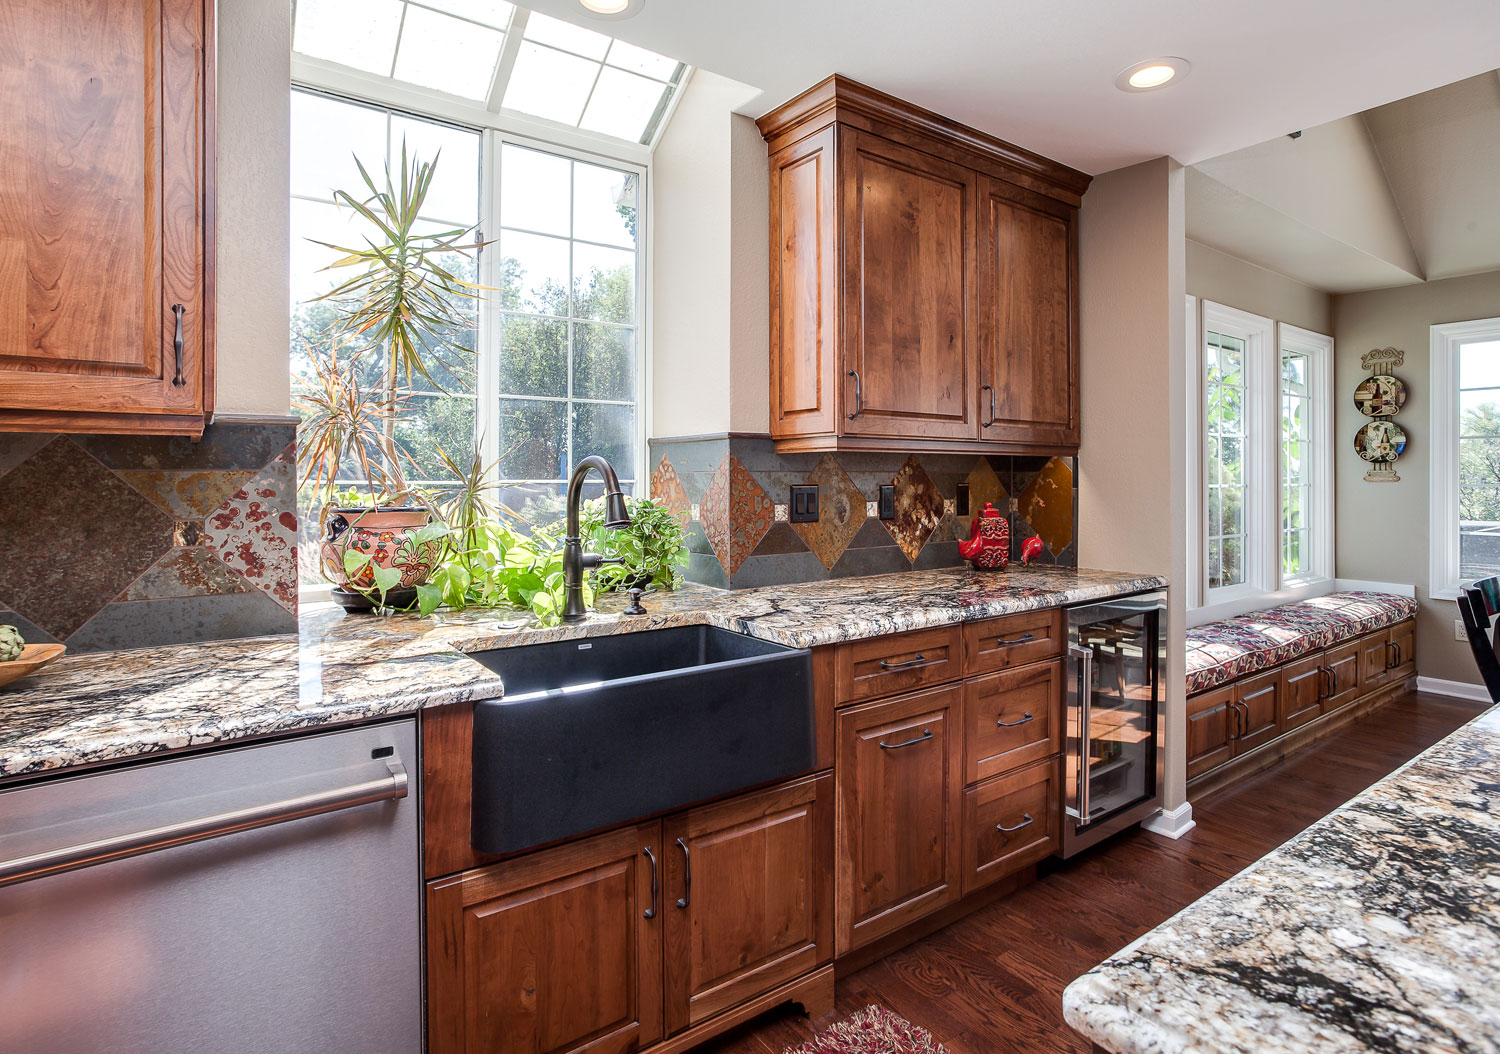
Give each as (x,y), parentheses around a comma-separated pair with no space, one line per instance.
(653,547)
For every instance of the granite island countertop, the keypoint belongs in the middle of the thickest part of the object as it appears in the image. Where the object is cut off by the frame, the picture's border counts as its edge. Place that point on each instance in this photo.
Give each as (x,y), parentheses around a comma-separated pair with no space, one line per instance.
(338,669)
(1376,929)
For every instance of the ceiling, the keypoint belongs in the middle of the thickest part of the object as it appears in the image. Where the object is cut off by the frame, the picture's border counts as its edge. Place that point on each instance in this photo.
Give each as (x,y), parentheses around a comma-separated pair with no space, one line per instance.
(1042,75)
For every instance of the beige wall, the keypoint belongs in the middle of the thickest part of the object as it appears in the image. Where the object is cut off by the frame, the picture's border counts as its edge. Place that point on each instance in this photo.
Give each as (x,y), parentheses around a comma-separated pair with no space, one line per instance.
(1382,528)
(709,252)
(1224,279)
(253,206)
(1132,460)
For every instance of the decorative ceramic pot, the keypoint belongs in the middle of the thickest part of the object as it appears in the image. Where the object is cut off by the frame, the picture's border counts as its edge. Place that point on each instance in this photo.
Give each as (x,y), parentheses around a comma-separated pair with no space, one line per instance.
(988,546)
(385,535)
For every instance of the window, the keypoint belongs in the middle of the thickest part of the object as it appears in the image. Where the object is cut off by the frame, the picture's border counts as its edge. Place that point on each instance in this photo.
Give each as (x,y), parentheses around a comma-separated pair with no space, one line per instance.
(1465,483)
(1262,490)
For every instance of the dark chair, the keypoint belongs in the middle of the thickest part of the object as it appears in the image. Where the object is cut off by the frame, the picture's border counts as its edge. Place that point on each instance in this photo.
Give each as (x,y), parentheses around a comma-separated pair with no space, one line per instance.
(1478,604)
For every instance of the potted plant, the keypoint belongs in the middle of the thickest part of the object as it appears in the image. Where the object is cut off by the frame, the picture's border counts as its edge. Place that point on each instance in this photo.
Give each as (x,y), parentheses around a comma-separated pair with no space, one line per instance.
(653,548)
(380,541)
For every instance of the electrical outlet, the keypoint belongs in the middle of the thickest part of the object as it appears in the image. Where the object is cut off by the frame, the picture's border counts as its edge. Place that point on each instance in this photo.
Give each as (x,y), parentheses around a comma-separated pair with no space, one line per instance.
(804,504)
(1459,633)
(887,501)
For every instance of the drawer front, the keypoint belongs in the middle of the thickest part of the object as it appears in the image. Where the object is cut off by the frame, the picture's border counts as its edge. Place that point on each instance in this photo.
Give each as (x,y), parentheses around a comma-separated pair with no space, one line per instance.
(1000,643)
(870,669)
(1304,683)
(1211,724)
(1012,718)
(1009,822)
(1343,667)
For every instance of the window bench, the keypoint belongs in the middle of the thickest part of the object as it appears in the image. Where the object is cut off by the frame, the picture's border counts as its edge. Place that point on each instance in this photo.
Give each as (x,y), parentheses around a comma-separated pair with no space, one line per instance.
(1265,683)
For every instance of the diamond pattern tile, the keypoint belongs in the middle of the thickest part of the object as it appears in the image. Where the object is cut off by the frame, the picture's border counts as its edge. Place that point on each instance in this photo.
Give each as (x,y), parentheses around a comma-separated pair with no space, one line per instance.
(76,536)
(186,572)
(736,513)
(186,495)
(255,534)
(919,508)
(667,491)
(841,512)
(1047,504)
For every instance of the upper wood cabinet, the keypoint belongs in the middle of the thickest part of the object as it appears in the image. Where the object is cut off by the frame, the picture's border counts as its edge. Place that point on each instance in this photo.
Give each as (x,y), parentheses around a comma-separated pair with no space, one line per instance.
(106,157)
(924,290)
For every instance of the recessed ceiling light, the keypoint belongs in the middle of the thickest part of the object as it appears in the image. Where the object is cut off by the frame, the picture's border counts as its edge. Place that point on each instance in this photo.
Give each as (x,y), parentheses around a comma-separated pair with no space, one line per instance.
(612,9)
(1152,74)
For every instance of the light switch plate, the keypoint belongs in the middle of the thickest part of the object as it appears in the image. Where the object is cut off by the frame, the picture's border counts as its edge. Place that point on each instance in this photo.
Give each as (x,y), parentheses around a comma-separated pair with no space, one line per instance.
(887,501)
(804,504)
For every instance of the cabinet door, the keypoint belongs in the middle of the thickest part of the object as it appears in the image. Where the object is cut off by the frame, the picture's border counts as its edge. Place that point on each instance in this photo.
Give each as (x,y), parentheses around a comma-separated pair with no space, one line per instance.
(899,786)
(1402,655)
(1303,684)
(102,216)
(1210,730)
(1011,821)
(1343,669)
(552,952)
(1259,704)
(1028,347)
(1374,660)
(748,897)
(909,368)
(1012,718)
(804,319)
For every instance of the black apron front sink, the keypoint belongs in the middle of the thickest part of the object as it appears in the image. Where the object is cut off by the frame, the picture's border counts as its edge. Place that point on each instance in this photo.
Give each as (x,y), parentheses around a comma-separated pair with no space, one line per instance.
(598,732)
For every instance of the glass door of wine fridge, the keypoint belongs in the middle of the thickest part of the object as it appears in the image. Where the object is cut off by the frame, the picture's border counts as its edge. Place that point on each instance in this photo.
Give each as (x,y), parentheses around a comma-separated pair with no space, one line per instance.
(1113,762)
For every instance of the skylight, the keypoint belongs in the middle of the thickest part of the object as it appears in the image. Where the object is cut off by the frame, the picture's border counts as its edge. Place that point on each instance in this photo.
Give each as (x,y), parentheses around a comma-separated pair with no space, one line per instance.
(492,52)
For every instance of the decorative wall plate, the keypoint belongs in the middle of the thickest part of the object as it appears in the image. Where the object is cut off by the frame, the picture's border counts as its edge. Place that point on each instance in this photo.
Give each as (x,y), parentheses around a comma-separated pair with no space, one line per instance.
(1380,396)
(1380,441)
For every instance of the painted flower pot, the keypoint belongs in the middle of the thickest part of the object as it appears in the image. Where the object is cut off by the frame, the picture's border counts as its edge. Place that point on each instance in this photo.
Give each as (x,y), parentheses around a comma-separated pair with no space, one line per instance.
(385,535)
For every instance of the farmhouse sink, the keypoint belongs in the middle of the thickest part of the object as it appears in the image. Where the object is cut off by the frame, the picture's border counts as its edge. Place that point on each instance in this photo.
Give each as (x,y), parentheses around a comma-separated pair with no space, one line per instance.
(602,731)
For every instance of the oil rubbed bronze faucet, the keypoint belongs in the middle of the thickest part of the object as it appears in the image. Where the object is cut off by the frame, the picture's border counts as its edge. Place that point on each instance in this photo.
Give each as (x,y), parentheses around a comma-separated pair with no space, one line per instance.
(575,560)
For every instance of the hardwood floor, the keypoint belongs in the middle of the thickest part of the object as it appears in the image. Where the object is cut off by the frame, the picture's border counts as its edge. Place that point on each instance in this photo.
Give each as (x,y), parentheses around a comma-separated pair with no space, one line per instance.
(993,981)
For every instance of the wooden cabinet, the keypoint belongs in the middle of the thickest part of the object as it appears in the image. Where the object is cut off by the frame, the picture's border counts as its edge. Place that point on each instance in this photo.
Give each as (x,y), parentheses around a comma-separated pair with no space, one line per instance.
(106,155)
(1015,640)
(1374,659)
(558,951)
(866,669)
(747,897)
(899,785)
(1011,821)
(1258,700)
(1012,718)
(1401,658)
(1342,663)
(1028,323)
(1211,722)
(1303,686)
(923,281)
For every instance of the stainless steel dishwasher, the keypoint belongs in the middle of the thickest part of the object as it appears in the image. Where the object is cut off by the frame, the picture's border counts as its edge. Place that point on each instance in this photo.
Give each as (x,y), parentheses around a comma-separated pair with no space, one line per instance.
(256,899)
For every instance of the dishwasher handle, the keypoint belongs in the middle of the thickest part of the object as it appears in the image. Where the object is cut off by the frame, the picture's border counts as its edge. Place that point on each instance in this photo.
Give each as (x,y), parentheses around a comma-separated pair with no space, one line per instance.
(120,847)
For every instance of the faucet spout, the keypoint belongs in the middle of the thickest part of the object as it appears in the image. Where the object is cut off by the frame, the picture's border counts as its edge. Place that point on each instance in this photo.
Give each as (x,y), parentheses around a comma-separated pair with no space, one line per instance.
(575,560)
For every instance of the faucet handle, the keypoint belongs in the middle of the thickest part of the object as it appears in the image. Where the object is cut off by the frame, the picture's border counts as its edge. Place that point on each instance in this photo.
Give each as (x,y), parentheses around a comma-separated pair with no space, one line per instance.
(595,560)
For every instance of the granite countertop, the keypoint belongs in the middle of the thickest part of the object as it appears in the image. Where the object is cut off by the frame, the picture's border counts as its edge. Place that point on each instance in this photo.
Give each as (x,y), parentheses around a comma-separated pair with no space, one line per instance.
(106,706)
(1376,929)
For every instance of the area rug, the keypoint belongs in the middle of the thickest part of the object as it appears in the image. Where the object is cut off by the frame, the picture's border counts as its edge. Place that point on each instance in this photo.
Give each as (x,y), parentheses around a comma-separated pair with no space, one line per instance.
(874,1030)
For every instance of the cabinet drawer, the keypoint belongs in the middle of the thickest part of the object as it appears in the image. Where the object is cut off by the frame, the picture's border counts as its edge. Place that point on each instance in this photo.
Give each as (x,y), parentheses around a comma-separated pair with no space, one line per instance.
(1304,684)
(868,669)
(1211,722)
(1012,718)
(1000,643)
(1009,822)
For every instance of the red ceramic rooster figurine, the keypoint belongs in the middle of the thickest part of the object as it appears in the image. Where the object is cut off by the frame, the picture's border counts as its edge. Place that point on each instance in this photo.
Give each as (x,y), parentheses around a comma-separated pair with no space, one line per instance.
(1031,547)
(988,547)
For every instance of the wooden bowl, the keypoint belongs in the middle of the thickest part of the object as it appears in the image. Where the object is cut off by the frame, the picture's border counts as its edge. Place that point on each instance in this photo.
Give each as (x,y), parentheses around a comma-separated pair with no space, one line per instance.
(33,657)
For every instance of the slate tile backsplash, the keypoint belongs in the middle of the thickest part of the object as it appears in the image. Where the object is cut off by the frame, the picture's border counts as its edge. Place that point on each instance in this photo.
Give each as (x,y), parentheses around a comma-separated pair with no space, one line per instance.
(732,492)
(111,542)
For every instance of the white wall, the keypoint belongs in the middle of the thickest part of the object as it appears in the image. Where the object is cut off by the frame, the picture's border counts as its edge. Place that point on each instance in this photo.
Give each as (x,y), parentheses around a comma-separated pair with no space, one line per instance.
(253,206)
(1132,460)
(710,341)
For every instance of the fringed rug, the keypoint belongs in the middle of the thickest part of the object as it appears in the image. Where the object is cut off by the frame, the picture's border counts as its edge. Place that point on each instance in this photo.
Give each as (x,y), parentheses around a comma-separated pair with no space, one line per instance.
(874,1030)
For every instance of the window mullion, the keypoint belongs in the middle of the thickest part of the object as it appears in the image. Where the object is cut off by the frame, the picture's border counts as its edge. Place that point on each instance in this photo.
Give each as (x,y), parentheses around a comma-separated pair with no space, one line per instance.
(491,343)
(507,64)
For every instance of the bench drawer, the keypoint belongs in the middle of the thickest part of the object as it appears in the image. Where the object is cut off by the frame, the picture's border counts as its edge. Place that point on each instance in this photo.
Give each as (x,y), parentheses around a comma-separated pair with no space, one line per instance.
(880,666)
(1000,643)
(1012,718)
(1009,822)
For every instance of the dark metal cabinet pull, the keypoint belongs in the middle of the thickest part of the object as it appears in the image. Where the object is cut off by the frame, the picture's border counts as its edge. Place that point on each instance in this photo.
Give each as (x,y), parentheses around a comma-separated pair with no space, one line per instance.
(1013,724)
(859,396)
(687,875)
(650,912)
(886,664)
(1234,720)
(1022,639)
(991,389)
(1027,822)
(178,310)
(924,737)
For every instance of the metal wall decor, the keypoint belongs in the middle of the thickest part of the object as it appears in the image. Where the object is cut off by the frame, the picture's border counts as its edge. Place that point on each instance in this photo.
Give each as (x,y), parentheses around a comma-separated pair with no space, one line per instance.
(1381,397)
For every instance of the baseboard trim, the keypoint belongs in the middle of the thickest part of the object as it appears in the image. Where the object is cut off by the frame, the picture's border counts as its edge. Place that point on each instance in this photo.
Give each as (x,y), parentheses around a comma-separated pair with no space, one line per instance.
(1172,823)
(1454,689)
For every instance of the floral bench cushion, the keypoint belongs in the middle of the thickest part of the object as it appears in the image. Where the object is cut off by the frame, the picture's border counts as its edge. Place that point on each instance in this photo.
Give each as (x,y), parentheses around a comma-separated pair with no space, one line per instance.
(1218,652)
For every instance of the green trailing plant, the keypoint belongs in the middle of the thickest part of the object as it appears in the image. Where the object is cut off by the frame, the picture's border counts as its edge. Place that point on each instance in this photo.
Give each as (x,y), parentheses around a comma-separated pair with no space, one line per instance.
(653,547)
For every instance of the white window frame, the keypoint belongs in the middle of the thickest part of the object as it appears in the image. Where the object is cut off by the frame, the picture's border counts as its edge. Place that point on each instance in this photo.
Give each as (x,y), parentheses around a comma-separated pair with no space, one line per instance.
(1318,347)
(1261,516)
(1446,339)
